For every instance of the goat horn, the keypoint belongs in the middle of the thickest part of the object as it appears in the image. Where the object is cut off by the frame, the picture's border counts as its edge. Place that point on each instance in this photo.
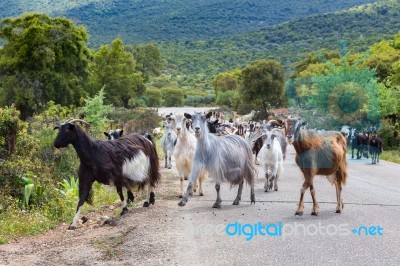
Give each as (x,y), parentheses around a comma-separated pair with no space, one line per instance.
(77,120)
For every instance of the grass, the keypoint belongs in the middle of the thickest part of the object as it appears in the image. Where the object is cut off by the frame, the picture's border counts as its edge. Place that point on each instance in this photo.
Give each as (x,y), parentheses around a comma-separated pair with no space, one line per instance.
(15,223)
(391,156)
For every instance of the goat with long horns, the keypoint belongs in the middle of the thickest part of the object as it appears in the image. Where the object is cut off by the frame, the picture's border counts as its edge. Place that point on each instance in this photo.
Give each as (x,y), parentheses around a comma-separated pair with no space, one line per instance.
(125,162)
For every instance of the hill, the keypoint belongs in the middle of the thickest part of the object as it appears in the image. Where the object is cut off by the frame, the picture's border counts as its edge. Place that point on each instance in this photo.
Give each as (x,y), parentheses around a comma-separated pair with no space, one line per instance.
(140,21)
(288,42)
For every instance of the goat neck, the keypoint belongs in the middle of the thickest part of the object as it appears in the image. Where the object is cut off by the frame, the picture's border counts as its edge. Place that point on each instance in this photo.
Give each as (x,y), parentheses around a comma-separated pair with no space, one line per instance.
(83,145)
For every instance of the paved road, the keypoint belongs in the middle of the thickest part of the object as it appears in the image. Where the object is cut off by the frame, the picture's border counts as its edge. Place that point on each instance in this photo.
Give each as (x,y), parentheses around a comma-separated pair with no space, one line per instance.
(371,197)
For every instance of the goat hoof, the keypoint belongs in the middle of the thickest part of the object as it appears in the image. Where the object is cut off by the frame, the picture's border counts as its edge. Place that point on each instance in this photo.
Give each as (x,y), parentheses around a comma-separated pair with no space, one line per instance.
(252,199)
(314,213)
(338,211)
(276,189)
(182,203)
(217,205)
(266,190)
(72,227)
(169,167)
(146,204)
(299,213)
(186,178)
(235,202)
(201,194)
(84,219)
(124,210)
(180,196)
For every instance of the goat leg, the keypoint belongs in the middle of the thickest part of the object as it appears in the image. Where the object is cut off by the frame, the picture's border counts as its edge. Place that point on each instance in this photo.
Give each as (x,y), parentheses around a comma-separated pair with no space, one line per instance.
(300,207)
(130,196)
(315,203)
(266,183)
(218,201)
(123,200)
(150,196)
(84,190)
(339,199)
(185,198)
(239,194)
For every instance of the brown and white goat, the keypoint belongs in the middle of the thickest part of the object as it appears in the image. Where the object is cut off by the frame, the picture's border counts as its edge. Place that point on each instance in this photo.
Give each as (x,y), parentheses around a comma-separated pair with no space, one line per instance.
(184,151)
(124,162)
(318,154)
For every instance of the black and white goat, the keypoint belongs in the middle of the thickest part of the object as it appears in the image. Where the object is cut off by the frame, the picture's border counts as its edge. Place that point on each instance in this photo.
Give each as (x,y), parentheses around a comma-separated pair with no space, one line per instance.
(124,162)
(116,134)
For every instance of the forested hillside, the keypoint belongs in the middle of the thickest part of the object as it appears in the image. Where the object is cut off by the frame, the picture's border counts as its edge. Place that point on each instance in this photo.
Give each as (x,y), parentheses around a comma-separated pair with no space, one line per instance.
(138,21)
(287,42)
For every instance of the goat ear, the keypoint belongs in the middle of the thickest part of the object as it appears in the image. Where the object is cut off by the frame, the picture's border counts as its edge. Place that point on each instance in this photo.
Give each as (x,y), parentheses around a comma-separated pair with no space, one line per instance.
(56,127)
(106,134)
(304,123)
(188,116)
(121,132)
(216,122)
(208,115)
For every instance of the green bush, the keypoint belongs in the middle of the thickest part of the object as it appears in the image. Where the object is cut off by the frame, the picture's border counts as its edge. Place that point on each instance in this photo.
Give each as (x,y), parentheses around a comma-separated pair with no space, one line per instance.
(389,134)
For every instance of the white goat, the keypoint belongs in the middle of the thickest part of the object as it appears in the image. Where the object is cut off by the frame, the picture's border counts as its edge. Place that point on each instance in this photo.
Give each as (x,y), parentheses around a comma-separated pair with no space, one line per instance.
(271,159)
(184,152)
(248,117)
(168,142)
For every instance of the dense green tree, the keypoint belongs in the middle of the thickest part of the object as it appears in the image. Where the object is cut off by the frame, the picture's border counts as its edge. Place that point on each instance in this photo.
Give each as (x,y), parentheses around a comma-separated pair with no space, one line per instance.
(384,55)
(173,96)
(42,59)
(389,99)
(263,83)
(115,68)
(154,97)
(314,63)
(148,60)
(226,81)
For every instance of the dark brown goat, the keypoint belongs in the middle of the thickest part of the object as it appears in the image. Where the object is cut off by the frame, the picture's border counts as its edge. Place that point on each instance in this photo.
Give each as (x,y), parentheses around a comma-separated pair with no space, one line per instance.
(318,154)
(125,162)
(375,147)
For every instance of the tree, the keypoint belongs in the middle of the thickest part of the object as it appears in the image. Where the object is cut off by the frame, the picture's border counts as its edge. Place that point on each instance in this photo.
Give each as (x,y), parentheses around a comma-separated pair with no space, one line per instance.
(115,68)
(42,59)
(154,97)
(148,60)
(314,58)
(173,96)
(226,81)
(96,112)
(384,55)
(263,83)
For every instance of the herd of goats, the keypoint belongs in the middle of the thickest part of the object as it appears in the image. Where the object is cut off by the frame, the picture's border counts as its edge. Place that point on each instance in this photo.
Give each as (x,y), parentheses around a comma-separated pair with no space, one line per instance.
(202,146)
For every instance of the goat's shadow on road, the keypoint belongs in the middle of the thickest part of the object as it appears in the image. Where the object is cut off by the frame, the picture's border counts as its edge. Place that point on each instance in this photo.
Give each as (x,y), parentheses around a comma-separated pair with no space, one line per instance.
(207,207)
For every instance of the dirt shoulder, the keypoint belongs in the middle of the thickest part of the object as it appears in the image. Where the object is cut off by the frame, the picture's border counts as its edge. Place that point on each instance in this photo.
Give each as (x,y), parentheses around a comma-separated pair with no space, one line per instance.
(125,240)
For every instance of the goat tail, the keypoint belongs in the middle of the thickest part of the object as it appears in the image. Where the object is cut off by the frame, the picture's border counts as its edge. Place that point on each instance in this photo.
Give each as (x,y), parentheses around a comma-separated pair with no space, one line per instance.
(342,170)
(154,171)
